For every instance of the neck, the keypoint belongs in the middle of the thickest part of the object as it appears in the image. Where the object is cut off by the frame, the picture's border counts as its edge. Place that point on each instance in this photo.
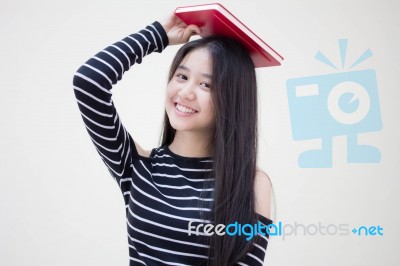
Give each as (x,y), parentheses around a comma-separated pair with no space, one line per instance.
(191,144)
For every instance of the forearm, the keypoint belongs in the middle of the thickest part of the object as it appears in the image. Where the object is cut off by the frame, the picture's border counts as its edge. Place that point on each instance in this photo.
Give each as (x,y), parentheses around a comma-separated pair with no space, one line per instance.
(92,87)
(107,67)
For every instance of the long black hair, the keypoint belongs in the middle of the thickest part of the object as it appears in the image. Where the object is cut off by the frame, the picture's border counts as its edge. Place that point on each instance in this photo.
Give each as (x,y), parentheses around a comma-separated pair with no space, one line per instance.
(234,140)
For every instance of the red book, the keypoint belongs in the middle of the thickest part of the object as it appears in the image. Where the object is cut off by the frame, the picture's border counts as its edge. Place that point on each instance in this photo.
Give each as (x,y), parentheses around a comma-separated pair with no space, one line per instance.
(214,19)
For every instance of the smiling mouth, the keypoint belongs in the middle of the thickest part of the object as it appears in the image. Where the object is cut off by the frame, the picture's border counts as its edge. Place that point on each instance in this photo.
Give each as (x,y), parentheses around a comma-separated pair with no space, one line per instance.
(184,109)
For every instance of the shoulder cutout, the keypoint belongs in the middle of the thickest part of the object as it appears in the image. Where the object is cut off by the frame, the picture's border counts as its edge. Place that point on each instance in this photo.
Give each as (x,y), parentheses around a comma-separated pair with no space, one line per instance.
(262,194)
(141,151)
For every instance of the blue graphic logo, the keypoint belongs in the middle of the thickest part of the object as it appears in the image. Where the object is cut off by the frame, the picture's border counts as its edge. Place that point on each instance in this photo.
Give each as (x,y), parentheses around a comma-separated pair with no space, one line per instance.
(368,231)
(344,103)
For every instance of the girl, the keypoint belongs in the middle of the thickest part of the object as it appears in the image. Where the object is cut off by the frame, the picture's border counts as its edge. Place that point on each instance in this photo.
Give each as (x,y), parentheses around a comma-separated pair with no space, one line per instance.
(203,177)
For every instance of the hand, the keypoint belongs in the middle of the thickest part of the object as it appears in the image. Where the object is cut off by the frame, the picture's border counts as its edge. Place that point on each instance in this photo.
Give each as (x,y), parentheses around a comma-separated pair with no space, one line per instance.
(177,31)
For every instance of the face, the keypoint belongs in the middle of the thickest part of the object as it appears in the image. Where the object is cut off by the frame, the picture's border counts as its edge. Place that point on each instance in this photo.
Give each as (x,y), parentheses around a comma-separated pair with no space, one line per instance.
(188,98)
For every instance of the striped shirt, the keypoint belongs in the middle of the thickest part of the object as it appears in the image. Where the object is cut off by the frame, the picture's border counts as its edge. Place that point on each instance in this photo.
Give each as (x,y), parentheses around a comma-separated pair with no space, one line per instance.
(164,192)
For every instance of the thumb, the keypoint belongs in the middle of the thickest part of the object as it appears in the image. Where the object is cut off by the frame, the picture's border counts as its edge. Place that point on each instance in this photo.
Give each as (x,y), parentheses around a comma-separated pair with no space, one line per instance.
(190,31)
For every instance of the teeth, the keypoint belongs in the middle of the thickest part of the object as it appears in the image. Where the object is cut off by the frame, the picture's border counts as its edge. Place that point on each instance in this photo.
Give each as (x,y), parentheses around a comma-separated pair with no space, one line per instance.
(185,109)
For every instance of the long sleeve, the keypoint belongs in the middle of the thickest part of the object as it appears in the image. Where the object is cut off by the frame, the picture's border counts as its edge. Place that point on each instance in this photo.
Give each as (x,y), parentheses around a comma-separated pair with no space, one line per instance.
(256,256)
(163,193)
(92,85)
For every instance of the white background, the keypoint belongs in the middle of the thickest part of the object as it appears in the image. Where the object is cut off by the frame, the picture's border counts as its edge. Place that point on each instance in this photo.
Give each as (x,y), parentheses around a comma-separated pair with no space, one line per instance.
(60,206)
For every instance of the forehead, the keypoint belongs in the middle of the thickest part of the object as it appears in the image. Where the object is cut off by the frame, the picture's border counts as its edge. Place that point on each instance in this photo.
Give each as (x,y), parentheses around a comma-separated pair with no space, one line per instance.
(198,60)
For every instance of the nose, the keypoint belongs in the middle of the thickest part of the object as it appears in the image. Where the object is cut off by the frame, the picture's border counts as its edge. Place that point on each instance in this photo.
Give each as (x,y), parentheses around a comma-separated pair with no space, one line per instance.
(187,91)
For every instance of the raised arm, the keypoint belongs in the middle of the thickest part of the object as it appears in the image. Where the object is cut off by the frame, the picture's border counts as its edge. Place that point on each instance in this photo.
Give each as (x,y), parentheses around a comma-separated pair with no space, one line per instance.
(94,80)
(92,86)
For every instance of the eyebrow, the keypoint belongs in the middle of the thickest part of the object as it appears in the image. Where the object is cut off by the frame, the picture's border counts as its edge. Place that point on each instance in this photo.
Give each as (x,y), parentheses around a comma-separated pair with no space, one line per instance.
(187,69)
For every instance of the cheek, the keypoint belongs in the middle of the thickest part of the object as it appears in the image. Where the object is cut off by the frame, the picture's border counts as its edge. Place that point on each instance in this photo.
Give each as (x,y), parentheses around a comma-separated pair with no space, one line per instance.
(167,102)
(170,92)
(172,88)
(208,105)
(212,112)
(212,109)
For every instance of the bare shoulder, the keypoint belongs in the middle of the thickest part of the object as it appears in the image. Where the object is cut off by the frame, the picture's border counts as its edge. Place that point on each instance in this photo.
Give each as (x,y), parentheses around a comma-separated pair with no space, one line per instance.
(262,193)
(141,151)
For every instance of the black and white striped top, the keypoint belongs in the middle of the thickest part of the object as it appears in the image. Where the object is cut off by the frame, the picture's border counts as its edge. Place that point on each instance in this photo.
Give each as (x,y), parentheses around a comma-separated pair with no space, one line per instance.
(163,192)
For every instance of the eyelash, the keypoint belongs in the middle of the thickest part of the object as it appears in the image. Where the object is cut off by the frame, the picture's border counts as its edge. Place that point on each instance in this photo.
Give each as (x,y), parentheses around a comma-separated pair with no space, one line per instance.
(207,85)
(184,77)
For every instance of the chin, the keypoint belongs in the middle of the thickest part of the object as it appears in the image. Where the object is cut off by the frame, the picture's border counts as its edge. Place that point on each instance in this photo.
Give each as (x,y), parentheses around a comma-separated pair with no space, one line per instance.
(180,126)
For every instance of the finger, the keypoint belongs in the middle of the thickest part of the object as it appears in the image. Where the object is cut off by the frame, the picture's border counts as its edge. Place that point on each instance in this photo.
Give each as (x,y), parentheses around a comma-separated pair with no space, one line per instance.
(194,28)
(190,31)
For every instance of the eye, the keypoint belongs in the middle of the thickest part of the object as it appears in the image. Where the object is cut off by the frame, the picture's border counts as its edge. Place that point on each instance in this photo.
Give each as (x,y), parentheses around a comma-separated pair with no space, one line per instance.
(206,85)
(182,76)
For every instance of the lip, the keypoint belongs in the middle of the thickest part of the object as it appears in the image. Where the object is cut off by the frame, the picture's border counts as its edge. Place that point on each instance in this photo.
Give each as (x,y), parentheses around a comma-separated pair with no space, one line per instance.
(182,113)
